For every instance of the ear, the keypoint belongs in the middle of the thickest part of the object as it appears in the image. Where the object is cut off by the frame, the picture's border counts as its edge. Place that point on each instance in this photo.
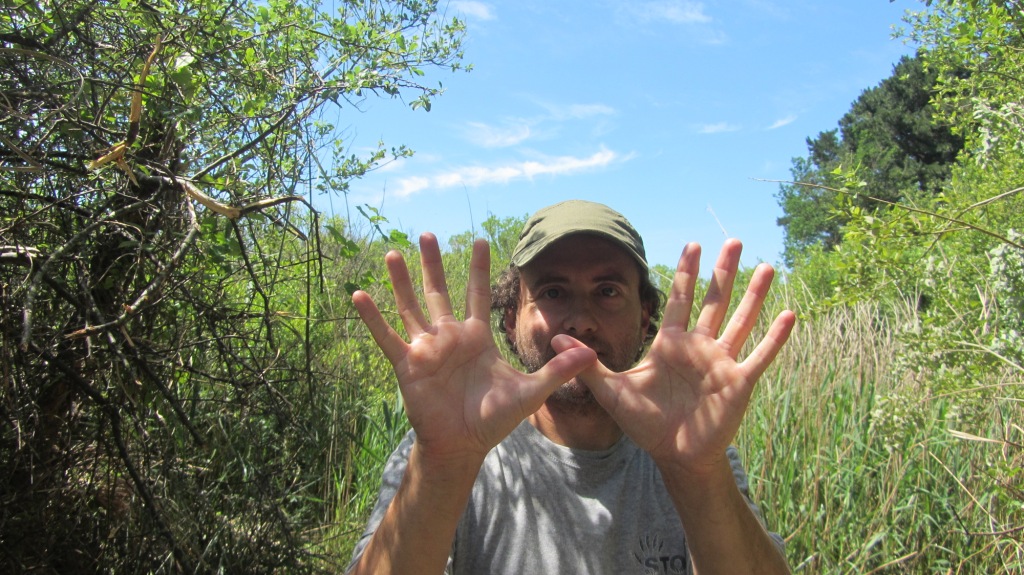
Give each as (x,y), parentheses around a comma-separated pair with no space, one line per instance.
(645,319)
(508,320)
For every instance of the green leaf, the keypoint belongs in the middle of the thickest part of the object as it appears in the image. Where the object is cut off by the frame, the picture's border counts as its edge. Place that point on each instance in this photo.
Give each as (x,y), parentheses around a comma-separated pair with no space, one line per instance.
(335,233)
(183,60)
(400,239)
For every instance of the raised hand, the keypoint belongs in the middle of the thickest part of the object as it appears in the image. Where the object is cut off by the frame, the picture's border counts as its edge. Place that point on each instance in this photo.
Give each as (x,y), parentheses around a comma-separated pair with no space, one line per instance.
(461,397)
(684,401)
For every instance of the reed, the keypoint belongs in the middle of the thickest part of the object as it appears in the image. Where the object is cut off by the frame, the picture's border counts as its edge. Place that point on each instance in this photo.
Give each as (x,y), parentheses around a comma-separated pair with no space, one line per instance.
(864,470)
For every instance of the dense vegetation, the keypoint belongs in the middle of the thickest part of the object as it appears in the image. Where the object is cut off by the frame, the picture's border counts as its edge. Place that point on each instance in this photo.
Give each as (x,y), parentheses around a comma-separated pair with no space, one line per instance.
(923,429)
(185,387)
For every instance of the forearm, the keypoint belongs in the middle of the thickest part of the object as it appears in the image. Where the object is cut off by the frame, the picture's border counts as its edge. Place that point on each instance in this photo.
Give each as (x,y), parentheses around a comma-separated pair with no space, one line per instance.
(722,532)
(416,533)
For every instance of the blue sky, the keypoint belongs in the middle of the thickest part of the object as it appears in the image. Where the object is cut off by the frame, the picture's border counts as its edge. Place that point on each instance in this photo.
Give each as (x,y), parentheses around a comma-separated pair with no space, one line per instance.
(667,110)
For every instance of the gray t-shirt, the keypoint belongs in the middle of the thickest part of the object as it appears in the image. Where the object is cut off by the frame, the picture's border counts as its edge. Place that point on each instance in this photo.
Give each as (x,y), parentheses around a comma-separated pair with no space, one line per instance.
(538,508)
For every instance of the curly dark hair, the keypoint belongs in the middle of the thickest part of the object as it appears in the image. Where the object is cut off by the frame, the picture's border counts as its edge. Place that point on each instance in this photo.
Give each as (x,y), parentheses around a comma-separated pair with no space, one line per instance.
(505,297)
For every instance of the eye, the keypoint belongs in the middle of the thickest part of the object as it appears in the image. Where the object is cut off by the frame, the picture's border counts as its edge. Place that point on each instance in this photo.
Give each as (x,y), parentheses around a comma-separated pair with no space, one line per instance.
(550,293)
(609,291)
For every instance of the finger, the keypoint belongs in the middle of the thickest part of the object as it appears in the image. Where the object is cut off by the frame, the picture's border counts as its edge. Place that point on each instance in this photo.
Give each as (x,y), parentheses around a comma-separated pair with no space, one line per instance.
(768,348)
(745,317)
(406,302)
(392,344)
(435,287)
(604,383)
(716,301)
(566,365)
(478,291)
(680,297)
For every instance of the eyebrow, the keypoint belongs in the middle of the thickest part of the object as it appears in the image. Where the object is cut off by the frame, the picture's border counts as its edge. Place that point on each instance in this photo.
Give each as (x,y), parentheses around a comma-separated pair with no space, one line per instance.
(610,276)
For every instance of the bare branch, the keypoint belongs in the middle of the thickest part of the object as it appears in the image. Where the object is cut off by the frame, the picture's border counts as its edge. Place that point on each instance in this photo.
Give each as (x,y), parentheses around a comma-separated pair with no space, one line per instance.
(154,286)
(898,205)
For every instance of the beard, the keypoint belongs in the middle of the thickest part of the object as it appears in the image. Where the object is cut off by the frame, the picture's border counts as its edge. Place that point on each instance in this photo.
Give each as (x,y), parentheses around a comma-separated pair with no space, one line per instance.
(574,395)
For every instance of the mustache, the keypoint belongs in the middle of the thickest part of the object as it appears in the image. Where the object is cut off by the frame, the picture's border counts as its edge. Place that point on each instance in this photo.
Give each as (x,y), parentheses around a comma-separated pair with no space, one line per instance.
(594,343)
(536,358)
(605,353)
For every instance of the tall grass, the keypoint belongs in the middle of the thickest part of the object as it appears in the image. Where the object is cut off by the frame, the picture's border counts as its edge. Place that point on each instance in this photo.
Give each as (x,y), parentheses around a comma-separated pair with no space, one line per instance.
(863,471)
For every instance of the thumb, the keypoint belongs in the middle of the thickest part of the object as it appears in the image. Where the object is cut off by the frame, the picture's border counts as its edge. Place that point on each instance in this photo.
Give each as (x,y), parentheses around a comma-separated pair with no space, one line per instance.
(573,357)
(560,369)
(601,381)
(562,342)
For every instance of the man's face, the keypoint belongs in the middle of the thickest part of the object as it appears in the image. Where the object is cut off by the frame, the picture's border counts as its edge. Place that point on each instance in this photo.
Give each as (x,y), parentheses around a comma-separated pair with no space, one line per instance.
(587,287)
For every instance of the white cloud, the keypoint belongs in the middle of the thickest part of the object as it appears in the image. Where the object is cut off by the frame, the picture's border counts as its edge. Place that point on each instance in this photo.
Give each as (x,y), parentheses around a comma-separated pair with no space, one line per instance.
(783,122)
(769,8)
(494,137)
(476,176)
(675,11)
(472,8)
(410,185)
(513,131)
(581,111)
(713,37)
(718,128)
(566,112)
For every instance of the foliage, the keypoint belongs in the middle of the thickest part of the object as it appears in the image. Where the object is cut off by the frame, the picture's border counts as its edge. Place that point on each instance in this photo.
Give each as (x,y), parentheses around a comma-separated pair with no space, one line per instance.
(169,398)
(890,137)
(502,234)
(974,47)
(809,218)
(955,257)
(952,252)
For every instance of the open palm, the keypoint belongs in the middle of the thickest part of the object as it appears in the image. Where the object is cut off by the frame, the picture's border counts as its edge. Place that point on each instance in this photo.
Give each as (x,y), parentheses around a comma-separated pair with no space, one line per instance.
(461,397)
(684,401)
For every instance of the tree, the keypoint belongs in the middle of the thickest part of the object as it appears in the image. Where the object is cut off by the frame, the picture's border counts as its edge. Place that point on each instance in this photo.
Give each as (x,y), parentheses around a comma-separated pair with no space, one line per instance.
(162,387)
(890,137)
(809,219)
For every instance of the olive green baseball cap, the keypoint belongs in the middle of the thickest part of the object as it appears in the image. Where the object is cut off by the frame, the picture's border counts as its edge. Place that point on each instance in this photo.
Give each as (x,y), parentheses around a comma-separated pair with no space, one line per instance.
(571,217)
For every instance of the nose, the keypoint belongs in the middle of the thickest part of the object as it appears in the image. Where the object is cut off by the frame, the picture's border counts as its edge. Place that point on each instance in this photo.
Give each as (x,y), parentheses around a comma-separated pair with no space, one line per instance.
(579,317)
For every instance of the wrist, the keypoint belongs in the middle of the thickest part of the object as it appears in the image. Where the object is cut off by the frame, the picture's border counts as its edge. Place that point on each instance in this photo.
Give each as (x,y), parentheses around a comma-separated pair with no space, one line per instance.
(695,485)
(709,471)
(444,466)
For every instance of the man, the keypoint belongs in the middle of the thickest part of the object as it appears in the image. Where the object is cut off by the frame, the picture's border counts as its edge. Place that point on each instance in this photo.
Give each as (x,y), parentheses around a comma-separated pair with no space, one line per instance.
(587,463)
